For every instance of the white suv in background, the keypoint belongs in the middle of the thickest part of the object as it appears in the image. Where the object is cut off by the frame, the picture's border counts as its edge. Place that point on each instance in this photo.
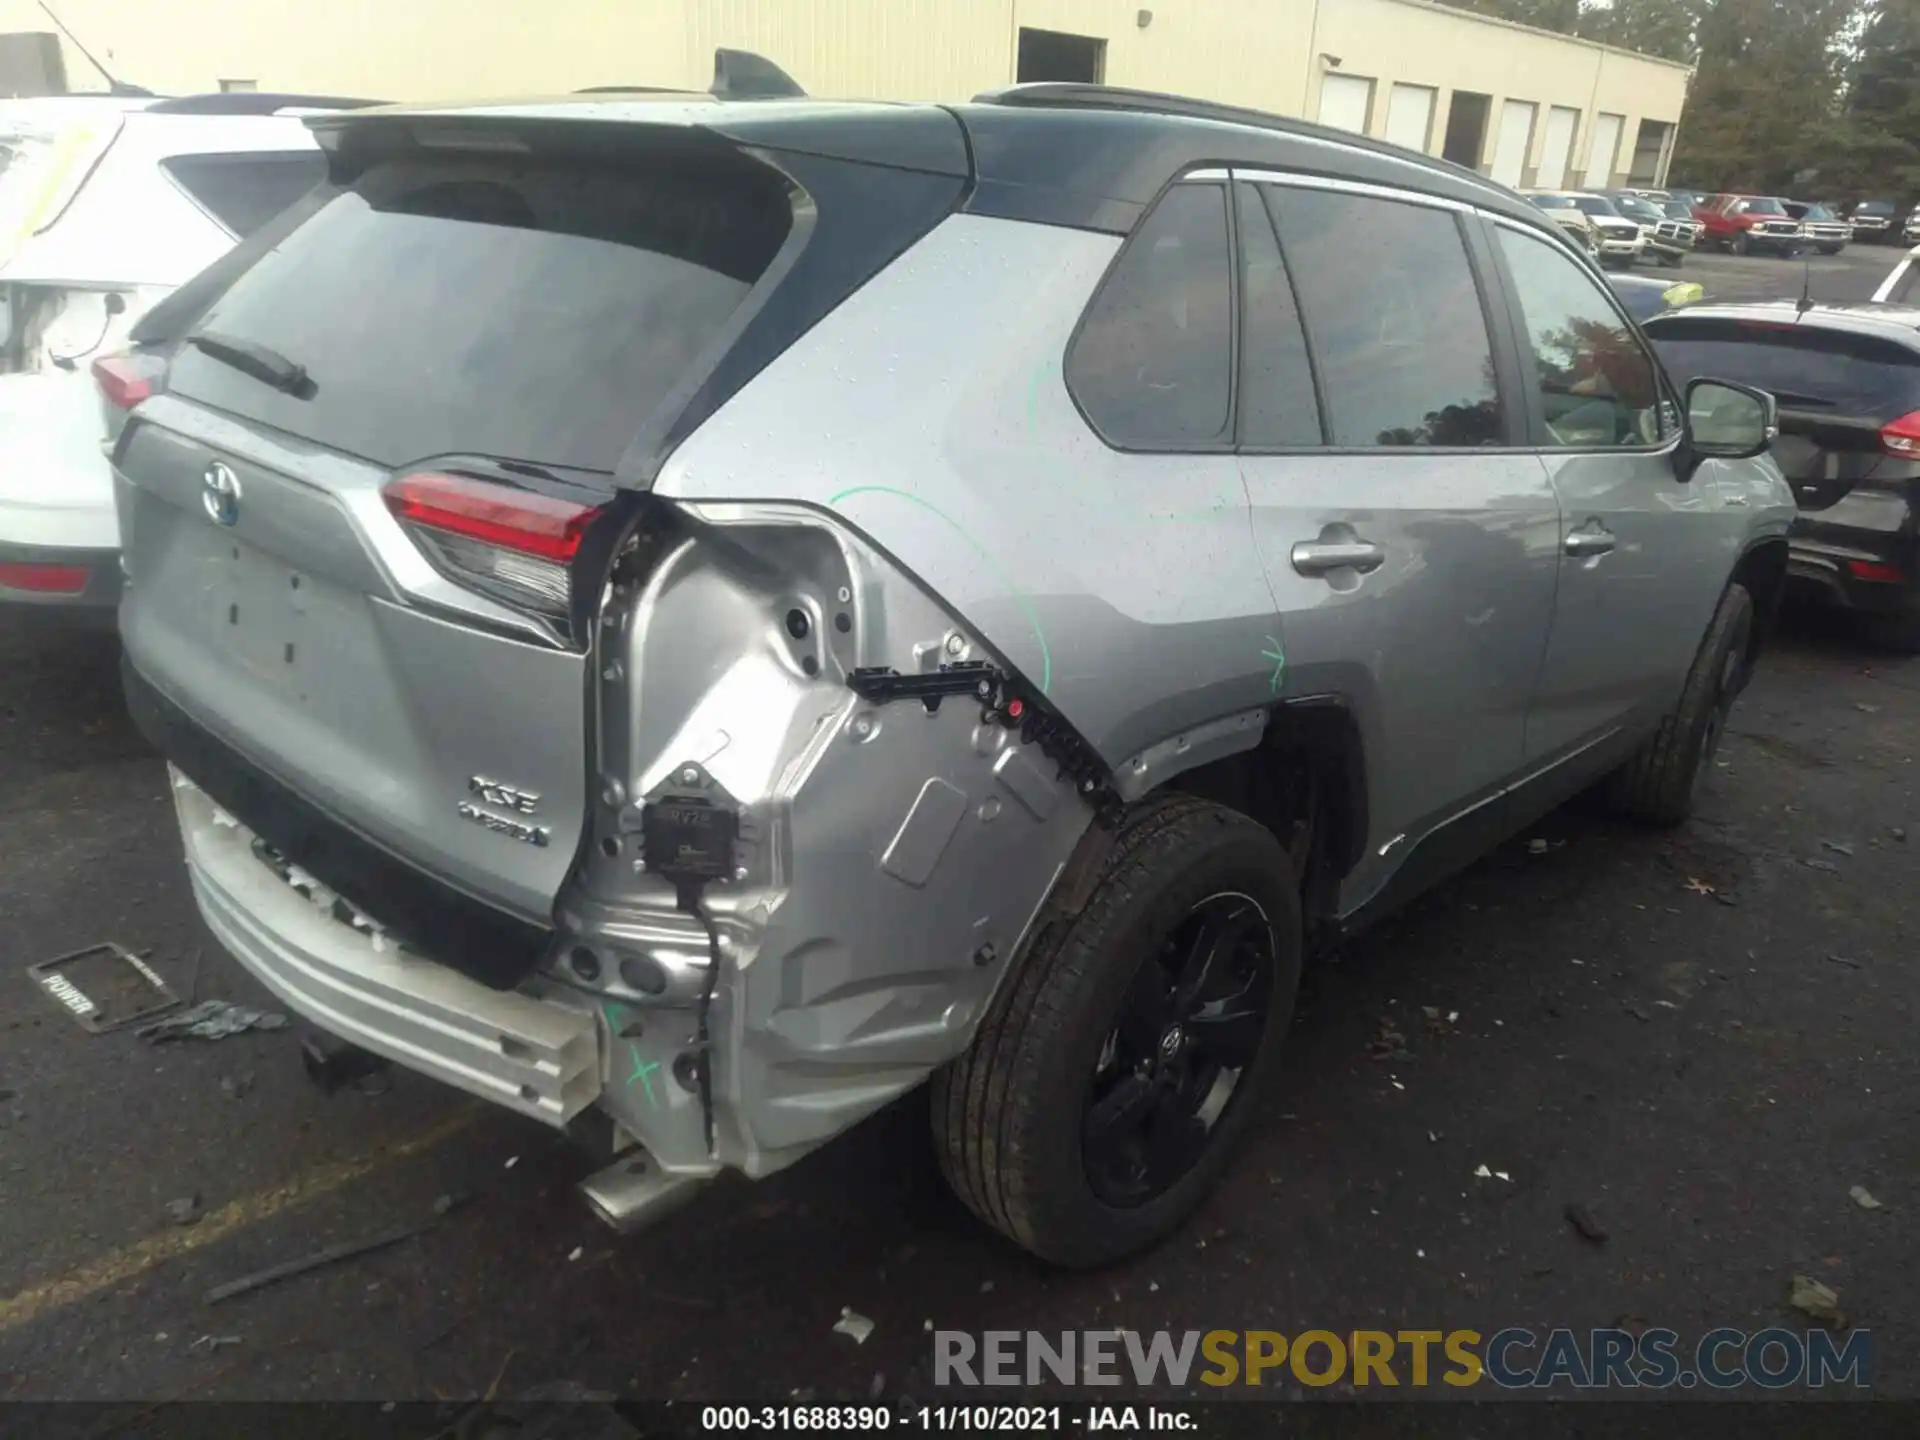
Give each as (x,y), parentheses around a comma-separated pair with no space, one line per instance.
(106,206)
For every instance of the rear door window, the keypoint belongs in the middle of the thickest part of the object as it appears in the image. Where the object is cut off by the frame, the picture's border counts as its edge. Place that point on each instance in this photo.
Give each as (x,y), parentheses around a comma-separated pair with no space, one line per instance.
(1394,319)
(245,191)
(1804,367)
(1152,363)
(533,311)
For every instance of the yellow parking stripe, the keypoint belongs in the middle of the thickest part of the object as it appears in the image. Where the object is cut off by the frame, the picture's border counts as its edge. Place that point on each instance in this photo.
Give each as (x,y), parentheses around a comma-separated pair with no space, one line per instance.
(135,1260)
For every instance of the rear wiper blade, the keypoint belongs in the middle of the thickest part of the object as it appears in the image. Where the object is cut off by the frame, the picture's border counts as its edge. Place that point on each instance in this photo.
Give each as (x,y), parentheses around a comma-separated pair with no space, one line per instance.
(264,364)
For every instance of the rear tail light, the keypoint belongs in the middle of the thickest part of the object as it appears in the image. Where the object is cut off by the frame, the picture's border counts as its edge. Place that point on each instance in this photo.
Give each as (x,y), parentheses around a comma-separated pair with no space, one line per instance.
(1874,570)
(512,544)
(124,380)
(43,579)
(1902,436)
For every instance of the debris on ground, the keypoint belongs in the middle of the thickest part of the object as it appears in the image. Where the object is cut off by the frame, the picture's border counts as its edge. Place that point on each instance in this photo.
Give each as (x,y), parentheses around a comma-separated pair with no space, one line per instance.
(1861,1198)
(854,1325)
(210,1343)
(332,1063)
(576,1252)
(1838,847)
(104,987)
(236,1087)
(1699,886)
(1536,846)
(1826,865)
(1866,709)
(1634,1010)
(1810,1297)
(1483,1173)
(331,1255)
(185,1210)
(1898,833)
(1582,1220)
(1843,960)
(1389,1042)
(986,1287)
(211,1020)
(512,1160)
(878,1385)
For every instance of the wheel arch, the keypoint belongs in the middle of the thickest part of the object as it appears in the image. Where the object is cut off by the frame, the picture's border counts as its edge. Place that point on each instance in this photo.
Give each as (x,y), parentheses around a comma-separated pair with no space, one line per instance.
(1762,569)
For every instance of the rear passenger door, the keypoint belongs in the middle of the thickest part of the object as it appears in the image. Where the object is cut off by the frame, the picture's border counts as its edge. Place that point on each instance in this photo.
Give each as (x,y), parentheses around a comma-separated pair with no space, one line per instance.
(1409,539)
(1644,555)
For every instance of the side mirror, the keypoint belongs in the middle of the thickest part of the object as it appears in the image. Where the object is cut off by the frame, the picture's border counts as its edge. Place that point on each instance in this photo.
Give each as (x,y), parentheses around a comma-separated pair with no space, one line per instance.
(1726,421)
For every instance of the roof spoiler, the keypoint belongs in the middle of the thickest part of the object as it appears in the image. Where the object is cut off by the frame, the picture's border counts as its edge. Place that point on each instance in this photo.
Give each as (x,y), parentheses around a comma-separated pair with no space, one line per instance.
(743,75)
(253,102)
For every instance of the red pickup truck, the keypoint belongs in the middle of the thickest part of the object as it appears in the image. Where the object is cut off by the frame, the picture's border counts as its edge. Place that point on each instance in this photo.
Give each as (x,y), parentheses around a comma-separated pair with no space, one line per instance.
(1749,224)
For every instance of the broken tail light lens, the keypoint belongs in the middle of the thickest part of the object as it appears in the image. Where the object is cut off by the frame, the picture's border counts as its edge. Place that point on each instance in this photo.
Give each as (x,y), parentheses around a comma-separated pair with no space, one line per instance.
(1902,436)
(514,545)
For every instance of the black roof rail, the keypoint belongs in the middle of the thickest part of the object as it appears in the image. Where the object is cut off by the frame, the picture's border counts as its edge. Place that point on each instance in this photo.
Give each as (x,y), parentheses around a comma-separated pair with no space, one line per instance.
(633,90)
(253,102)
(1069,94)
(743,75)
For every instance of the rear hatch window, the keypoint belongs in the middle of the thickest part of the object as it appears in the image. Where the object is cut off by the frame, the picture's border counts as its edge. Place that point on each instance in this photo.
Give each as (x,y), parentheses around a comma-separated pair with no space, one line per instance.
(246,190)
(1805,367)
(485,305)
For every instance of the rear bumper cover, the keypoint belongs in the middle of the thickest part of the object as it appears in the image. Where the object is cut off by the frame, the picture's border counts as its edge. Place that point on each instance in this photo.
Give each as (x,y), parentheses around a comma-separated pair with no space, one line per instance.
(1820,568)
(536,1054)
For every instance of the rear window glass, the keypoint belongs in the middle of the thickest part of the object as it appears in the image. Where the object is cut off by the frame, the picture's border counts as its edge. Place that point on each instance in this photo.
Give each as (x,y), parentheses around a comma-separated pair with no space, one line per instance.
(1805,367)
(243,192)
(532,311)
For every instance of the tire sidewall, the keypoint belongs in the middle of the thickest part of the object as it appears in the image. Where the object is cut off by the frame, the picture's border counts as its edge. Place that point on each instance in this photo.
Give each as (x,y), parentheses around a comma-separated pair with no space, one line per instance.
(1233,857)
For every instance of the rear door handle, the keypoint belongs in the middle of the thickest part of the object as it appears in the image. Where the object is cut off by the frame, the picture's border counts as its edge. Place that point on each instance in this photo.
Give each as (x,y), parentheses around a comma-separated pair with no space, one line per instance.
(1317,557)
(1582,543)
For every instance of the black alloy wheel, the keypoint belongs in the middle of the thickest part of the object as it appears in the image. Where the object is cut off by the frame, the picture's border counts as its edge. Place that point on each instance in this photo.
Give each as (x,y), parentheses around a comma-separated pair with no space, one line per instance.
(1189,1025)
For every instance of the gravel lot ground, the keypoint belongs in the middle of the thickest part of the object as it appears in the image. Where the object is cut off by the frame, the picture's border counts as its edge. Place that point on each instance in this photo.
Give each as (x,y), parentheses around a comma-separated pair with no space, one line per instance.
(1706,1038)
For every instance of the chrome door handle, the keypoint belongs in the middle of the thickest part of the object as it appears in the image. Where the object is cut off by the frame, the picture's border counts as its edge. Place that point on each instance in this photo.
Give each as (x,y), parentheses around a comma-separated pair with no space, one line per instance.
(1317,557)
(1581,543)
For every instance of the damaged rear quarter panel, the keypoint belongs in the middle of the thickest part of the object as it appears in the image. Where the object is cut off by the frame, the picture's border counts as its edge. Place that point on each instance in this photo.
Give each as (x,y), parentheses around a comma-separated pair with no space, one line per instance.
(916,463)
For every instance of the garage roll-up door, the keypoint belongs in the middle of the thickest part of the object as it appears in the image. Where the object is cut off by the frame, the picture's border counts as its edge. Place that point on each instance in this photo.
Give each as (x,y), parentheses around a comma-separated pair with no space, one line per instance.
(1556,147)
(1345,101)
(1410,116)
(1516,133)
(1606,146)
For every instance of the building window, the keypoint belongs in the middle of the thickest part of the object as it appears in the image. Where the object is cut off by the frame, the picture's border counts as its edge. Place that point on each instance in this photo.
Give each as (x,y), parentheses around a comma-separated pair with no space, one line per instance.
(1466,129)
(1055,55)
(239,86)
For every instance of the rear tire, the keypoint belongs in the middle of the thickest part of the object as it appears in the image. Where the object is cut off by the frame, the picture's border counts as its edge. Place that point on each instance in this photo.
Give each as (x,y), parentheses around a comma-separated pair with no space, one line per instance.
(1657,786)
(1026,1121)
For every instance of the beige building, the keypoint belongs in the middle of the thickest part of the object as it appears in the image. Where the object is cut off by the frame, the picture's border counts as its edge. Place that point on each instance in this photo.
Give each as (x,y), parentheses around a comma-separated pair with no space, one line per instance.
(1523,106)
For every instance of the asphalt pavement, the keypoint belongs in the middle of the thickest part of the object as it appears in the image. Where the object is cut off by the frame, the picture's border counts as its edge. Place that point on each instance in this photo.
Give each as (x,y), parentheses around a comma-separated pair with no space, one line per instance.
(1703,1039)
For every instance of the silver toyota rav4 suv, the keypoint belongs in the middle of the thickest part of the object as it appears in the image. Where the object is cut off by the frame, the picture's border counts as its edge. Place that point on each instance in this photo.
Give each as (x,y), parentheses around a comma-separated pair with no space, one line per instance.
(688,617)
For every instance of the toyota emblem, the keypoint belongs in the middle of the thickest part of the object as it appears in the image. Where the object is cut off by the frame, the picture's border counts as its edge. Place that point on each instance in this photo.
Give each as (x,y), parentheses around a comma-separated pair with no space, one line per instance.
(221,497)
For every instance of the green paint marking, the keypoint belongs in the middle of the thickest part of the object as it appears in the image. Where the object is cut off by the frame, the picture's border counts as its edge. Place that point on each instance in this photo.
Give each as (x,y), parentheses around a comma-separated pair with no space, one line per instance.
(642,1069)
(641,1072)
(1279,662)
(1019,596)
